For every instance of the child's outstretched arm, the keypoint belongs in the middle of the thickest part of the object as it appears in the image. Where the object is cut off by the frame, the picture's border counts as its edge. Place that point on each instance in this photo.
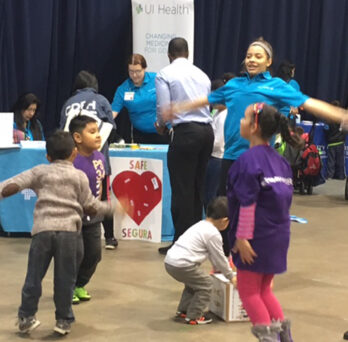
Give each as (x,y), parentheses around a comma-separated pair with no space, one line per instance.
(9,190)
(17,183)
(92,205)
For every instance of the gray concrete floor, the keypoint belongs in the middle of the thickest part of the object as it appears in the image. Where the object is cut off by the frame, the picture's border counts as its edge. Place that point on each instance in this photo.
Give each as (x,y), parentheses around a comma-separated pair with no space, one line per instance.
(134,299)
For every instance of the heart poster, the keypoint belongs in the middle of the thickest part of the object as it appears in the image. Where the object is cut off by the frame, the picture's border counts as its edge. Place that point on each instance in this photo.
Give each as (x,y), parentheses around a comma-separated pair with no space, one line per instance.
(137,184)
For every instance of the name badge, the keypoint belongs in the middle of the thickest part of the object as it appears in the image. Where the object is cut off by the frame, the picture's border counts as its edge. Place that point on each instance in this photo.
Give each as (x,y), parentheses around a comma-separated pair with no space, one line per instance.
(129,96)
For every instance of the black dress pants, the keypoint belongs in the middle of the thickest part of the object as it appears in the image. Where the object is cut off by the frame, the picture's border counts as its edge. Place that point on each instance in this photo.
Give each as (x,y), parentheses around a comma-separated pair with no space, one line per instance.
(188,156)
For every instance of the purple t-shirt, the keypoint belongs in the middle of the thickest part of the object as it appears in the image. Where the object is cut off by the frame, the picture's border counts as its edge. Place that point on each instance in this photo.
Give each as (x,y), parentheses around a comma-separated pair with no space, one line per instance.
(94,167)
(262,176)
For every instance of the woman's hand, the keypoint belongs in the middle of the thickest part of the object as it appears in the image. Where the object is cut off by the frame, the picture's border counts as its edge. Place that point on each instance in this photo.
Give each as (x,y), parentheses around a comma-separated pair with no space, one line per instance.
(246,252)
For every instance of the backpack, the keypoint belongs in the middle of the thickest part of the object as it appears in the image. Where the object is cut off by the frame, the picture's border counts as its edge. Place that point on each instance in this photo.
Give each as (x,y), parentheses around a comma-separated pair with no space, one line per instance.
(311,163)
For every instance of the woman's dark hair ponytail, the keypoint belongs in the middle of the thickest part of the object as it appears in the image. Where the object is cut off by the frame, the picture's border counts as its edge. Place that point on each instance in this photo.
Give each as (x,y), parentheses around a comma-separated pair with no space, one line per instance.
(291,138)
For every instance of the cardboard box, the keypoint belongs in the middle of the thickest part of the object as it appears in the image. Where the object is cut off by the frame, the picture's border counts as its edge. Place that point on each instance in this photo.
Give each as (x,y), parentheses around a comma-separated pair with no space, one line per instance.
(225,301)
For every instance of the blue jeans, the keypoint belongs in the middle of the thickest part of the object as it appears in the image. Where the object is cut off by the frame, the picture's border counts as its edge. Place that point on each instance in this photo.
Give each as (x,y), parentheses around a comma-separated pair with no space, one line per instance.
(62,247)
(91,251)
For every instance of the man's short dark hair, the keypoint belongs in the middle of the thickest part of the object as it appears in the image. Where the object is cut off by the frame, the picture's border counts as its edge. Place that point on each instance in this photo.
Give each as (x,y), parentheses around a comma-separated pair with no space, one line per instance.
(178,47)
(79,123)
(60,145)
(218,208)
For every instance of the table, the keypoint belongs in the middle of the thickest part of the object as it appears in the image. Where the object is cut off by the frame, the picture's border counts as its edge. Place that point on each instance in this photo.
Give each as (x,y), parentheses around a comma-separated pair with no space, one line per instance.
(16,212)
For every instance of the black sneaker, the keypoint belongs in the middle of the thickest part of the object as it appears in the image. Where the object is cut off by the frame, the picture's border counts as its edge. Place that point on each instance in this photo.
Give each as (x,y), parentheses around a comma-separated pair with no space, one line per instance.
(27,324)
(111,243)
(164,250)
(205,319)
(62,327)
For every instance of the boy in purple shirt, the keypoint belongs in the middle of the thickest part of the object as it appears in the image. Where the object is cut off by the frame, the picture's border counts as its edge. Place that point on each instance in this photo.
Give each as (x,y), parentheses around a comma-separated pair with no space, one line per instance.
(259,191)
(85,132)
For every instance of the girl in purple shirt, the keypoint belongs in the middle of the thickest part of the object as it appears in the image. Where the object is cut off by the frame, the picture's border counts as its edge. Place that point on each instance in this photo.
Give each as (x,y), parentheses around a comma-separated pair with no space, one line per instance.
(259,191)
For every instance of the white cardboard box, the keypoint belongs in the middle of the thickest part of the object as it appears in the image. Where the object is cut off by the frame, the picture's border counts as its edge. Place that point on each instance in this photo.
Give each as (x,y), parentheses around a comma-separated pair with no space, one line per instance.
(225,301)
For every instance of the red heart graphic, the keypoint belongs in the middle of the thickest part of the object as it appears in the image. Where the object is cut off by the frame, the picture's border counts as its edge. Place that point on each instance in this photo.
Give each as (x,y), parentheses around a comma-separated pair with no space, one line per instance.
(141,192)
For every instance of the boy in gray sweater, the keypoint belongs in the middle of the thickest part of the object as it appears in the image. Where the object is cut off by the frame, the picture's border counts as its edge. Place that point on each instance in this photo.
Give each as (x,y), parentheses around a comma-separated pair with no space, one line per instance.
(201,241)
(63,196)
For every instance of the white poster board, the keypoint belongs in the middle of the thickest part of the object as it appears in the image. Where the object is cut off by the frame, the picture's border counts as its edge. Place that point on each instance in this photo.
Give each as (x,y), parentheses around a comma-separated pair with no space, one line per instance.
(139,182)
(6,130)
(155,23)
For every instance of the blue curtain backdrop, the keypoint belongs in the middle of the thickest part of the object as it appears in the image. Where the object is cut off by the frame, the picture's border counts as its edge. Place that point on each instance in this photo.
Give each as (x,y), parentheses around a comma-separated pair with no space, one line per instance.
(45,43)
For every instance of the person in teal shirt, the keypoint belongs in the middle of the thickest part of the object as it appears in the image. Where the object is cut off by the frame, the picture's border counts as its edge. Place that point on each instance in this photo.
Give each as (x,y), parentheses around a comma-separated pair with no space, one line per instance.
(256,85)
(138,94)
(26,126)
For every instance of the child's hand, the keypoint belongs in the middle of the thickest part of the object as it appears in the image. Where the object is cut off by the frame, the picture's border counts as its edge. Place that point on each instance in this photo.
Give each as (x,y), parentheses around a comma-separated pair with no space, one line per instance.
(124,207)
(246,252)
(234,281)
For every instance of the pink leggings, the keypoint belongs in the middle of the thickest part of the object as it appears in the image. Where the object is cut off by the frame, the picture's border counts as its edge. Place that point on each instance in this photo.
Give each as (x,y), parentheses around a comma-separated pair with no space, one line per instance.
(257,297)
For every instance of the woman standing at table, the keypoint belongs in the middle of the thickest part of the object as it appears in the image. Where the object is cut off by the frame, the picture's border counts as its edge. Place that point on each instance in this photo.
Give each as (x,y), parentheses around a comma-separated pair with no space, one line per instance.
(138,94)
(26,126)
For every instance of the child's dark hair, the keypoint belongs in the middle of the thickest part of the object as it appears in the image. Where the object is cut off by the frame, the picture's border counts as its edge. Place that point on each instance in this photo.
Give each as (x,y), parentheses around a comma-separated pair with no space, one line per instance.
(60,145)
(285,70)
(79,123)
(216,84)
(85,79)
(271,122)
(218,208)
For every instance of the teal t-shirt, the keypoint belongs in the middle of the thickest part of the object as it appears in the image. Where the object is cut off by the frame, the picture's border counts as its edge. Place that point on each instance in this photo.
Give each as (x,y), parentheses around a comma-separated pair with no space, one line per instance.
(238,93)
(139,101)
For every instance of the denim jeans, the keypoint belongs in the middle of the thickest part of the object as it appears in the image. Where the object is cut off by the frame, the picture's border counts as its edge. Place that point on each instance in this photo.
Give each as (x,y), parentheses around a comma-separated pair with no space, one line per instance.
(62,247)
(91,251)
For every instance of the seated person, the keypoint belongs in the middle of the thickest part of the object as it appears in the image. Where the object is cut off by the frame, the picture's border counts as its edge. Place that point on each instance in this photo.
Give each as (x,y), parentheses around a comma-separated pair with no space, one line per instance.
(26,126)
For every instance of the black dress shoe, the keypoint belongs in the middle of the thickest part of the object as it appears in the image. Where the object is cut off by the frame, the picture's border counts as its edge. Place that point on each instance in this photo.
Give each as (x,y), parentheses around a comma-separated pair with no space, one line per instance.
(345,336)
(164,250)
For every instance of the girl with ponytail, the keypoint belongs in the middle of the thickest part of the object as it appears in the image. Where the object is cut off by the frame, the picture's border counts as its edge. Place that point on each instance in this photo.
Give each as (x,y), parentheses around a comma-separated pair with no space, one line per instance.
(259,190)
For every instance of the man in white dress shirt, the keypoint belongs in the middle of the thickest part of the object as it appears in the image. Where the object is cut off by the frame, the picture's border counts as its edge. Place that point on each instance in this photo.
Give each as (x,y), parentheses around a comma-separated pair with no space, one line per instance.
(192,136)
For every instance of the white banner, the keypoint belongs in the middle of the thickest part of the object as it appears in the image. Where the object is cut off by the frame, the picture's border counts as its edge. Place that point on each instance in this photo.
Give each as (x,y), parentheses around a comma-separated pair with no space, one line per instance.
(138,182)
(155,23)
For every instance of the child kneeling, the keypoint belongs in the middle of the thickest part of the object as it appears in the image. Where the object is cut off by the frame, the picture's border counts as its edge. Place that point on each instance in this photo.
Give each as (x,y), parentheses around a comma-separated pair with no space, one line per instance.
(201,241)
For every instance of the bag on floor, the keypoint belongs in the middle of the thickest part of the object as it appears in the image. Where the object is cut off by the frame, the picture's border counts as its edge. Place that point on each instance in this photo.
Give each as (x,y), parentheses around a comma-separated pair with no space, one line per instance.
(311,163)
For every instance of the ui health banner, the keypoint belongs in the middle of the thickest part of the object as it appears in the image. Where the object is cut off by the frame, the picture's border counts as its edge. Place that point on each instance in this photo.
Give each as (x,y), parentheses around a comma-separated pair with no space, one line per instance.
(155,23)
(138,183)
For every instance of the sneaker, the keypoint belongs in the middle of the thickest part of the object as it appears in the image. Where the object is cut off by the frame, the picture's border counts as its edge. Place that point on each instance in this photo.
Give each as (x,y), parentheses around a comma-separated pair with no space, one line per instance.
(111,243)
(345,336)
(82,294)
(27,324)
(180,314)
(75,299)
(62,327)
(205,319)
